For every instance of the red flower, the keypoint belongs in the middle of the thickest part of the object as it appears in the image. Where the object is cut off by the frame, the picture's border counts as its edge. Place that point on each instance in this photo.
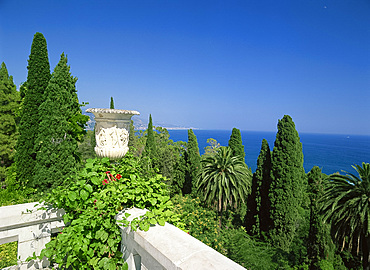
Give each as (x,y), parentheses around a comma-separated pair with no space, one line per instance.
(105,181)
(107,172)
(118,176)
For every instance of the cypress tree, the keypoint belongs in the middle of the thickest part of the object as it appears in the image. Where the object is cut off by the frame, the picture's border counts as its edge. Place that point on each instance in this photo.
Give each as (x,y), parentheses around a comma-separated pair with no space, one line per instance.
(316,237)
(111,103)
(193,164)
(288,183)
(258,219)
(9,104)
(132,137)
(150,149)
(236,144)
(56,143)
(37,80)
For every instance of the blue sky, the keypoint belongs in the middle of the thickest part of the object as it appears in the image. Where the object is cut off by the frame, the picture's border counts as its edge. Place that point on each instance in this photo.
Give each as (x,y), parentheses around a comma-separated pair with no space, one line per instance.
(207,64)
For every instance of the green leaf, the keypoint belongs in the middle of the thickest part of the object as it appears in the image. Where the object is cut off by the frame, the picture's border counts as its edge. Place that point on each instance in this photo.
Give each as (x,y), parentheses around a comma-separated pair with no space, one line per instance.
(72,195)
(96,180)
(89,165)
(125,266)
(89,188)
(161,222)
(153,201)
(146,227)
(84,194)
(152,221)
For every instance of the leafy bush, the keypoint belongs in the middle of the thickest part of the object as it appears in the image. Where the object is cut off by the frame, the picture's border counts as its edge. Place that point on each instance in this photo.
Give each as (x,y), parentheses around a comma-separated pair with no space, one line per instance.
(8,254)
(199,222)
(91,238)
(16,192)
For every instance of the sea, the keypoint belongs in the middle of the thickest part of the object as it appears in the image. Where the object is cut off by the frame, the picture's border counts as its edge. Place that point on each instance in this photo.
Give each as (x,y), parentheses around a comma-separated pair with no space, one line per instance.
(330,152)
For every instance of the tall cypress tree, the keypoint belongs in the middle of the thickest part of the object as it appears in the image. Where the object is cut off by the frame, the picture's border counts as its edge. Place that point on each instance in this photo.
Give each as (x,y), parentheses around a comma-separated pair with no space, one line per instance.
(193,164)
(288,183)
(150,149)
(111,103)
(9,103)
(316,238)
(37,80)
(132,138)
(258,219)
(56,143)
(236,144)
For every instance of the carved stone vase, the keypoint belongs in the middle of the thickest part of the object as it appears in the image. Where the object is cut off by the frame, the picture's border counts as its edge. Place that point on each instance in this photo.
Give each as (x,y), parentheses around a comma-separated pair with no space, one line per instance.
(112,131)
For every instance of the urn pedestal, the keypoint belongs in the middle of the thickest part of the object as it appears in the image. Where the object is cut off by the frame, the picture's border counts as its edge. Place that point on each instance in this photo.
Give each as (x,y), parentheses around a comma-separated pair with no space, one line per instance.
(112,131)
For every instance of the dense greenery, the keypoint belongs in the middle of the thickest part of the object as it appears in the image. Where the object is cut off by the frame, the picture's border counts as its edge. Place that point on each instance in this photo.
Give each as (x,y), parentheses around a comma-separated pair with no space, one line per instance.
(193,165)
(224,181)
(150,149)
(236,144)
(346,206)
(92,200)
(9,104)
(258,219)
(56,143)
(37,80)
(287,184)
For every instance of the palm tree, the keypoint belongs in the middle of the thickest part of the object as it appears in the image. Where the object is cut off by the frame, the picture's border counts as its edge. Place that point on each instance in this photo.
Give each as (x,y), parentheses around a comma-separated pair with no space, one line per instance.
(224,180)
(346,205)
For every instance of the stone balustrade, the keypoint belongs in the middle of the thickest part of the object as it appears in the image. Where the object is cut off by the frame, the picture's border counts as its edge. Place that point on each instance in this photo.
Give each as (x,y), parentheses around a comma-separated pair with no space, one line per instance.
(32,229)
(162,247)
(168,247)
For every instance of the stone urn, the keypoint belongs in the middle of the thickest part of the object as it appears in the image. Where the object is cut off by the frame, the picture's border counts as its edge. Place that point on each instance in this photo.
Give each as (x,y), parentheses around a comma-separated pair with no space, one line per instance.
(112,131)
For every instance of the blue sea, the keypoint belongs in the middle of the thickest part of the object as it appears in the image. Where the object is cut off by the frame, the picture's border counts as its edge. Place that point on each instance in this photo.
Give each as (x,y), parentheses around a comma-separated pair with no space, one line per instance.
(332,153)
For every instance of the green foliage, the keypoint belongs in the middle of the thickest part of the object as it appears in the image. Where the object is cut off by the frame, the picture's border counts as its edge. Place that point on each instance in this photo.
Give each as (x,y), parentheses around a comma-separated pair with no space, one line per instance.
(92,200)
(346,206)
(192,163)
(224,180)
(258,221)
(9,104)
(56,143)
(212,148)
(236,144)
(180,171)
(199,221)
(8,254)
(288,184)
(37,80)
(16,192)
(132,141)
(254,254)
(86,146)
(150,146)
(111,105)
(318,234)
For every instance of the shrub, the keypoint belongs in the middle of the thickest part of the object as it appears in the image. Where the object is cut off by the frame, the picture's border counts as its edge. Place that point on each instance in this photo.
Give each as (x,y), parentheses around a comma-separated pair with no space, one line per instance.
(91,238)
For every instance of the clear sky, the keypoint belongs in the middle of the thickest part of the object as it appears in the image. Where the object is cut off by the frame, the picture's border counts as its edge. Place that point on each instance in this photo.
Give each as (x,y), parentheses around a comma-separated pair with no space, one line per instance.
(207,64)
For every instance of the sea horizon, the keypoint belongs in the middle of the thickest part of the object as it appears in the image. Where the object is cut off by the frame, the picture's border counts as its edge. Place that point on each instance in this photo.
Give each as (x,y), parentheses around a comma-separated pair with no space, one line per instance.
(330,152)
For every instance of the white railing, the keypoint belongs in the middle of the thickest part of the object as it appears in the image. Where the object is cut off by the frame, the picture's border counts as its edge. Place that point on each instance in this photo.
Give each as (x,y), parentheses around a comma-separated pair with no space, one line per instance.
(162,247)
(31,228)
(167,247)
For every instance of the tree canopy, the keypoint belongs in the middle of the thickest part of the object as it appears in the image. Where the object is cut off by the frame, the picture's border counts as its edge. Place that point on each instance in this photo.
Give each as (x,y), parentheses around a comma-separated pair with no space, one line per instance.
(224,180)
(37,80)
(9,103)
(346,206)
(57,149)
(287,183)
(236,144)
